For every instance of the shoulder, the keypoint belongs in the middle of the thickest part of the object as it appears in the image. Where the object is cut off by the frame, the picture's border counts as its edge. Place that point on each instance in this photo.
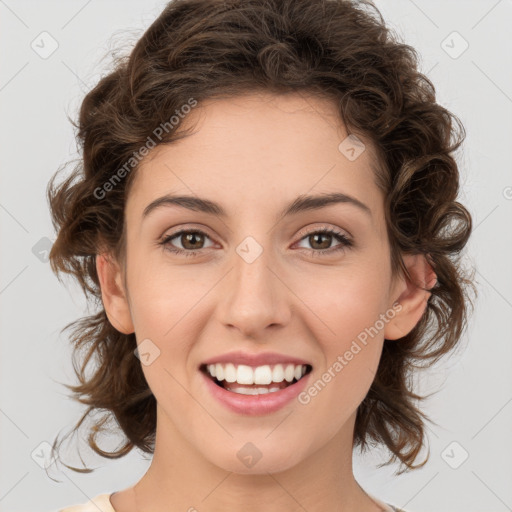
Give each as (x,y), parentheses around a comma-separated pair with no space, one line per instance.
(395,509)
(386,507)
(100,503)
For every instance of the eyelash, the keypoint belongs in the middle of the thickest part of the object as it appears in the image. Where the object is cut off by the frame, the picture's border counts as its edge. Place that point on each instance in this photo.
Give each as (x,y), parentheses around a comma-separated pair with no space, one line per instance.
(345,242)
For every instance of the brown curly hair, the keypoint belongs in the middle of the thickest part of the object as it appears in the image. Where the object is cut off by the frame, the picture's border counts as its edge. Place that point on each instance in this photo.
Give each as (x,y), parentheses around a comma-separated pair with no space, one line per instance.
(336,49)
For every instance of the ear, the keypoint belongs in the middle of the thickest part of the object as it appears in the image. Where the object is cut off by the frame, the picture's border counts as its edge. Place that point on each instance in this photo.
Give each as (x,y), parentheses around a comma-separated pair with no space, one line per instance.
(412,297)
(113,294)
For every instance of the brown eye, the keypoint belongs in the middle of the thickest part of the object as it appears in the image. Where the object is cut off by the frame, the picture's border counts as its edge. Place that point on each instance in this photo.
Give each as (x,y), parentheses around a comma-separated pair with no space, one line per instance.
(192,242)
(321,240)
(316,243)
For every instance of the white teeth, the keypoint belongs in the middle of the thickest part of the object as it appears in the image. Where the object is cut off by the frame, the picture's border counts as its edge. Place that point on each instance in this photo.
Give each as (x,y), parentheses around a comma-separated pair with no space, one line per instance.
(219,371)
(289,372)
(278,373)
(245,375)
(251,391)
(263,375)
(230,372)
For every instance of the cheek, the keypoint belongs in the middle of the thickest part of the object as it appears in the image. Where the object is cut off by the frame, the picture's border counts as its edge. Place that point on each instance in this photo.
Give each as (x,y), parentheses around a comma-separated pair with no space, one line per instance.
(345,303)
(349,331)
(162,296)
(159,311)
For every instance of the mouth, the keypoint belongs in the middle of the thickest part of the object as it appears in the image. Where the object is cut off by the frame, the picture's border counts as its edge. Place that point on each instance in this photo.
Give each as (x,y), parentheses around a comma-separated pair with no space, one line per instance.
(248,380)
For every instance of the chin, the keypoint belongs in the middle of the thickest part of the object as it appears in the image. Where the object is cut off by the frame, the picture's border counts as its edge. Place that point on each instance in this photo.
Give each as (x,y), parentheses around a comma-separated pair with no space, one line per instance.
(253,459)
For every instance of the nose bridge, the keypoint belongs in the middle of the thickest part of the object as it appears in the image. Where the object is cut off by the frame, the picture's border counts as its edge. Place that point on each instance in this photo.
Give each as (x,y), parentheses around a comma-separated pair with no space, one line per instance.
(252,262)
(253,293)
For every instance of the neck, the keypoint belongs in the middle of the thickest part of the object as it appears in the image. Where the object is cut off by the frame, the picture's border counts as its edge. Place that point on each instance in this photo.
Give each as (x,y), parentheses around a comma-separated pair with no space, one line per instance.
(180,478)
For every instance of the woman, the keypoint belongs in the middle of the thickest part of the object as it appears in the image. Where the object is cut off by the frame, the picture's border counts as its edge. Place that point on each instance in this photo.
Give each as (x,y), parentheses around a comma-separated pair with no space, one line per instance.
(266,213)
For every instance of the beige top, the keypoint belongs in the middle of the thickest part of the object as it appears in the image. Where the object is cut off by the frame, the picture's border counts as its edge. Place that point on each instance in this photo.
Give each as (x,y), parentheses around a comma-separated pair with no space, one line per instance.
(101,503)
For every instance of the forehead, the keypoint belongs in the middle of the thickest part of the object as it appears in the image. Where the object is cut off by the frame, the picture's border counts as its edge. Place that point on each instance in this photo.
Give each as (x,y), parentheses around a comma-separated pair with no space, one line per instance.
(255,149)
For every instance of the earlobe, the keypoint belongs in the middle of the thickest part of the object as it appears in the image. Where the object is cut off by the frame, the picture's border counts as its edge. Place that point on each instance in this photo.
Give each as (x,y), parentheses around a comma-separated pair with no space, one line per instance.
(113,294)
(413,299)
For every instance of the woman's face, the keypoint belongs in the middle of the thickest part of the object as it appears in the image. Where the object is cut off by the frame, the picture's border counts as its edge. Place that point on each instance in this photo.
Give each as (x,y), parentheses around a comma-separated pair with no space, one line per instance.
(259,282)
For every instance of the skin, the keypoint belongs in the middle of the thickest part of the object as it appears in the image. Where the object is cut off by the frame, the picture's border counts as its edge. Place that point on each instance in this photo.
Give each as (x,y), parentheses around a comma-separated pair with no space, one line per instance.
(254,154)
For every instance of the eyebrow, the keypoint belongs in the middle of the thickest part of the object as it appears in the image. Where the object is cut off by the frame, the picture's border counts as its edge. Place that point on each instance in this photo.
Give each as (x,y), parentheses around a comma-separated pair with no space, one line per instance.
(300,204)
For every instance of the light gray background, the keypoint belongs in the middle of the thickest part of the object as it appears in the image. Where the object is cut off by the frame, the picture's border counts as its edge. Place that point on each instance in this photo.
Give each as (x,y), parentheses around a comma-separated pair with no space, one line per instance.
(473,406)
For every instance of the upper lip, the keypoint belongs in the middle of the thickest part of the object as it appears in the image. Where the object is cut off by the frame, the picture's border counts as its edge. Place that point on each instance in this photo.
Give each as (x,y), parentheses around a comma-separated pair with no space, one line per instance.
(260,359)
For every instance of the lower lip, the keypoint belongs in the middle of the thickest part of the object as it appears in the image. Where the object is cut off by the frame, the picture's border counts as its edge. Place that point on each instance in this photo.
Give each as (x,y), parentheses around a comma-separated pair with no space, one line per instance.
(254,405)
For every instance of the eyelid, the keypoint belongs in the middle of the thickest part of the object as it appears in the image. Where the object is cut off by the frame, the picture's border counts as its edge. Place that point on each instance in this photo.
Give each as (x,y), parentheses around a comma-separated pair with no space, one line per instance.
(302,234)
(177,232)
(332,229)
(174,230)
(345,242)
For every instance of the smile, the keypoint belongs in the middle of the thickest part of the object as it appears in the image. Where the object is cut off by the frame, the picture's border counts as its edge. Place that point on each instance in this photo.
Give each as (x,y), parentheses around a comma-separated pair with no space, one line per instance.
(247,380)
(256,390)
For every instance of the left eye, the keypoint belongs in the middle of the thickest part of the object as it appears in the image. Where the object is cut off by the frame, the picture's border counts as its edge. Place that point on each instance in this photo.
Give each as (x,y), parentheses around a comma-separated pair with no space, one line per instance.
(196,237)
(330,234)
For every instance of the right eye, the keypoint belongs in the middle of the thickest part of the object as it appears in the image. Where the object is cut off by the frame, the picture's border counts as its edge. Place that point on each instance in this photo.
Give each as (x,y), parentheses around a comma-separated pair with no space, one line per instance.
(193,237)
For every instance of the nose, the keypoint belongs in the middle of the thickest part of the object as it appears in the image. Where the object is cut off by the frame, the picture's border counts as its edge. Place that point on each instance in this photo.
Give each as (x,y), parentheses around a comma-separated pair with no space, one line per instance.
(254,295)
